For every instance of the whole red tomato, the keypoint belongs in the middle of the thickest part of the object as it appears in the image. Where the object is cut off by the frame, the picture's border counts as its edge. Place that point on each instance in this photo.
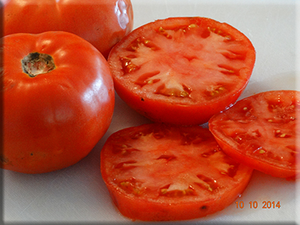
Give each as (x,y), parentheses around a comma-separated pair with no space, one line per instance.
(101,22)
(58,100)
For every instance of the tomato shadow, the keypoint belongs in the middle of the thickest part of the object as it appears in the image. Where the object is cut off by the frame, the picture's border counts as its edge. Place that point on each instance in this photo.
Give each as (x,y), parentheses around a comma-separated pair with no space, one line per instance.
(124,116)
(267,82)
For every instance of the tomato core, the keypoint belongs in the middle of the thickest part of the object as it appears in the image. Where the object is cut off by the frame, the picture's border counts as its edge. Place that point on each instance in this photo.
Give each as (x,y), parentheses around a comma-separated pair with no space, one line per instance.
(36,63)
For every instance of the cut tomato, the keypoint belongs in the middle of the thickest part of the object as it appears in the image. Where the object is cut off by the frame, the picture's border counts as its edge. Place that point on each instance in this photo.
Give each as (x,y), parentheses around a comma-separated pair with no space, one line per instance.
(182,70)
(157,172)
(261,132)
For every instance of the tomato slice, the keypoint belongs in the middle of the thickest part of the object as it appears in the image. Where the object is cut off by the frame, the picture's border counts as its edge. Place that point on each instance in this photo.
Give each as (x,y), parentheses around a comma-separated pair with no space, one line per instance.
(182,70)
(261,132)
(157,172)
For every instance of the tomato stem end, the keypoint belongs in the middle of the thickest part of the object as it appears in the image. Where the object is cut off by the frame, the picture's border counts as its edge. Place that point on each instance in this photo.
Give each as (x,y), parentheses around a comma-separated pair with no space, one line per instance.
(36,63)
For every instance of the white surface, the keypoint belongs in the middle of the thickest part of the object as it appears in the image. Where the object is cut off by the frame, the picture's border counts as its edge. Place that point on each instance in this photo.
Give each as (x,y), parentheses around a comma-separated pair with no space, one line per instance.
(78,193)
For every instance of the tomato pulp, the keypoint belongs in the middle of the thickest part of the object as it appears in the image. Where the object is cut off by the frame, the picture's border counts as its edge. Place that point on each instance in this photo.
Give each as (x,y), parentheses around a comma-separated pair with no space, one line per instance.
(158,172)
(101,22)
(261,131)
(182,70)
(58,100)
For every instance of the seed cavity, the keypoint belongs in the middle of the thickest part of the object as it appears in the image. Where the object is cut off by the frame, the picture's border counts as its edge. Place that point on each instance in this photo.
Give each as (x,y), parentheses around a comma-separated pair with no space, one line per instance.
(190,138)
(215,91)
(132,186)
(165,191)
(207,183)
(124,149)
(126,165)
(279,134)
(183,92)
(226,36)
(228,70)
(232,55)
(163,32)
(139,42)
(210,153)
(147,78)
(167,157)
(127,65)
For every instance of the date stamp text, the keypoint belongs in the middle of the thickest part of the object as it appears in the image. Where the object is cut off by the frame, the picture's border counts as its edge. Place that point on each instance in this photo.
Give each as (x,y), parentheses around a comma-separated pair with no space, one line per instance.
(258,205)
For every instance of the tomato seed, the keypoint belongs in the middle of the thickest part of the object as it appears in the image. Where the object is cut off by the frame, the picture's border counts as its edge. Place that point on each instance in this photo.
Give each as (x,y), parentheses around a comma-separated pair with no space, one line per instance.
(262,151)
(164,33)
(127,65)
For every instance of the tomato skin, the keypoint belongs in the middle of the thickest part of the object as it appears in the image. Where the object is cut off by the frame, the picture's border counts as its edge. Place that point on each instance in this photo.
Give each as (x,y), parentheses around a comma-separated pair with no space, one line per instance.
(146,73)
(152,155)
(261,131)
(53,120)
(101,22)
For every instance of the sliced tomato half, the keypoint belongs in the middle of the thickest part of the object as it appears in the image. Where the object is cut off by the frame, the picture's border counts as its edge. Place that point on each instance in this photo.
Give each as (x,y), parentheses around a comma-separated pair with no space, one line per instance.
(182,70)
(160,172)
(261,131)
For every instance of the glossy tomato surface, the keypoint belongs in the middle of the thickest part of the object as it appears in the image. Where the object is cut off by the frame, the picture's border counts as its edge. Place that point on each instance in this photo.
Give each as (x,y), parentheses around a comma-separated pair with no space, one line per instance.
(101,22)
(261,131)
(54,118)
(156,172)
(182,70)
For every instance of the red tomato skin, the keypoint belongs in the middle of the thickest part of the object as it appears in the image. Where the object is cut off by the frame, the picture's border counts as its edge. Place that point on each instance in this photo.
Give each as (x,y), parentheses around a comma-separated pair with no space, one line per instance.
(101,22)
(145,209)
(247,159)
(173,112)
(53,120)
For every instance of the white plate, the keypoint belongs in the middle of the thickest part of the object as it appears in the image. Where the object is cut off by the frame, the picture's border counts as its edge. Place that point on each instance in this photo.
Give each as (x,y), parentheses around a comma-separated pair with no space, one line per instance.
(78,193)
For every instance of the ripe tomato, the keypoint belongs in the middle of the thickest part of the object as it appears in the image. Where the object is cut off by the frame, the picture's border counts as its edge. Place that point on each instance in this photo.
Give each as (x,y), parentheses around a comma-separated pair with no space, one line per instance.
(158,172)
(182,70)
(261,132)
(101,22)
(58,100)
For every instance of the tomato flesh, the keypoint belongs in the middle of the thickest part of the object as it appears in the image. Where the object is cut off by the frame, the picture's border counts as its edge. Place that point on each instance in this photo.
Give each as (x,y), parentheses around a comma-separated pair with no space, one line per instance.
(182,70)
(157,172)
(261,131)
